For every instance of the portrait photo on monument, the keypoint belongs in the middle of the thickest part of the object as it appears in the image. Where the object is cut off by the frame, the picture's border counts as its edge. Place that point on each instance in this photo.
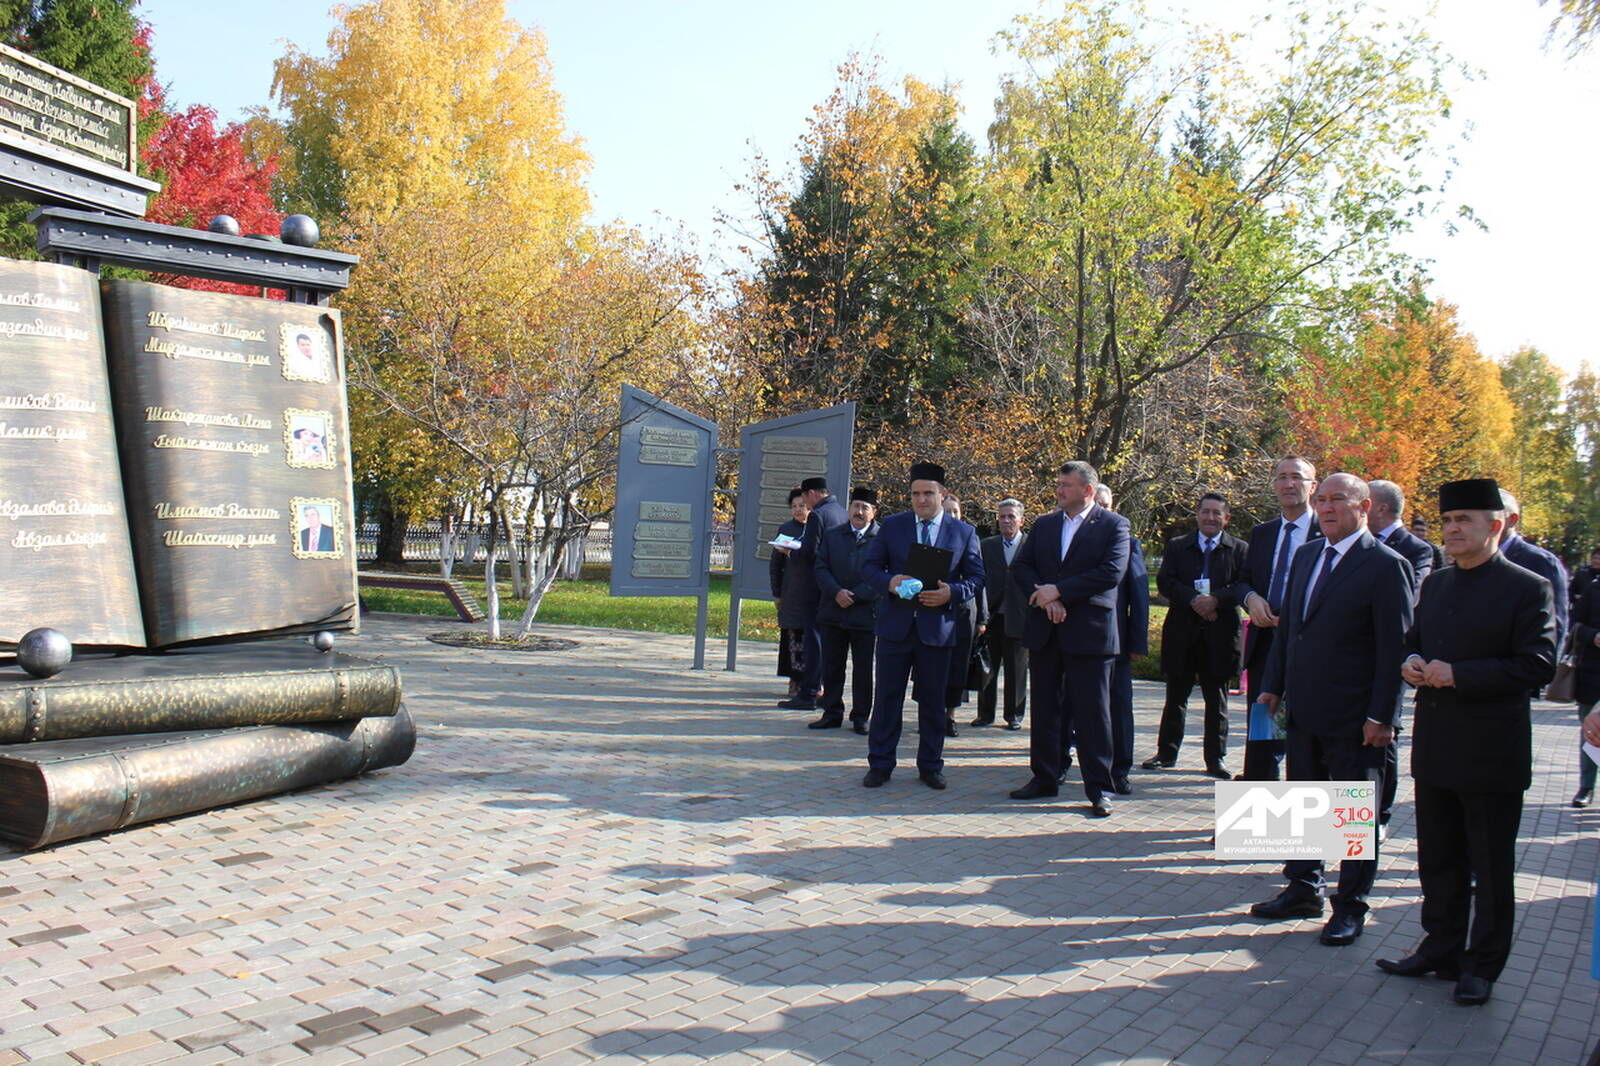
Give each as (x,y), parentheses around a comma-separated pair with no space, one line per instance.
(304,351)
(318,533)
(308,438)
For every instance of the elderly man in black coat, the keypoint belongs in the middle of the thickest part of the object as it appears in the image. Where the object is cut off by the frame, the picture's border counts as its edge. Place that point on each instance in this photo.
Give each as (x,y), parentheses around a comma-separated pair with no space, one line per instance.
(1586,646)
(1335,665)
(799,607)
(846,613)
(1483,639)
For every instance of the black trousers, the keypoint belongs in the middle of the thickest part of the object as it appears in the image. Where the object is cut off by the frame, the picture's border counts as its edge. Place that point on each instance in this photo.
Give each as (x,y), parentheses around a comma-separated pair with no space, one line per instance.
(810,662)
(1121,717)
(837,642)
(1467,856)
(1214,689)
(1006,652)
(895,660)
(1262,758)
(1076,689)
(1342,758)
(1391,779)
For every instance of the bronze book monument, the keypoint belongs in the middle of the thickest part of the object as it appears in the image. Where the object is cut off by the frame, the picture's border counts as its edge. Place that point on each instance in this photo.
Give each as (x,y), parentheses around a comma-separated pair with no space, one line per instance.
(174,478)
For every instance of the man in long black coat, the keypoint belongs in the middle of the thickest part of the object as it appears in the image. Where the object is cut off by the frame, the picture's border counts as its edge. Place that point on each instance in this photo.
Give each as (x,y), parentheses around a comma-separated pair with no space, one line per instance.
(846,613)
(1483,639)
(1200,637)
(1335,665)
(826,512)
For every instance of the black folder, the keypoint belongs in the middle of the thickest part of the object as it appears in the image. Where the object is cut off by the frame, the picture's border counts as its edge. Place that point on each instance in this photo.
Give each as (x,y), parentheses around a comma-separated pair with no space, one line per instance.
(928,564)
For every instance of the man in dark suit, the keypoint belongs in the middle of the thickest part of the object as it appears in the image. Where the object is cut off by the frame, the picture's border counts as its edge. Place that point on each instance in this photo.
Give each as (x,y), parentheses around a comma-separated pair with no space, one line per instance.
(1200,637)
(315,537)
(1133,635)
(1007,611)
(1419,529)
(1483,639)
(1070,568)
(1260,589)
(1335,666)
(1530,556)
(846,613)
(1388,506)
(917,632)
(826,513)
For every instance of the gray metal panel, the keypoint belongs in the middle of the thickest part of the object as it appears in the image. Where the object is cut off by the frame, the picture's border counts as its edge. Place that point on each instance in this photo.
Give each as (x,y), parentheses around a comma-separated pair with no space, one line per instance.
(34,173)
(65,233)
(777,455)
(661,529)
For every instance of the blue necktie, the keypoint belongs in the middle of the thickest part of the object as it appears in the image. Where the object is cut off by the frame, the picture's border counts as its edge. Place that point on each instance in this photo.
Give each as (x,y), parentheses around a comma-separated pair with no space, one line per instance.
(922,533)
(1280,572)
(1205,558)
(1322,579)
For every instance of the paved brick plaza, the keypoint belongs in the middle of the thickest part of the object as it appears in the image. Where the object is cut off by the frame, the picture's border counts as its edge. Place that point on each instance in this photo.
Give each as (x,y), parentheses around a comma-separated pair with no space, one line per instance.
(601,855)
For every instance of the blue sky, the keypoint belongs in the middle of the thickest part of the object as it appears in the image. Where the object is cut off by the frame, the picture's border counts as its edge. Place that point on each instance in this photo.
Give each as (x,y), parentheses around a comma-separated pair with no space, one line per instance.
(674,98)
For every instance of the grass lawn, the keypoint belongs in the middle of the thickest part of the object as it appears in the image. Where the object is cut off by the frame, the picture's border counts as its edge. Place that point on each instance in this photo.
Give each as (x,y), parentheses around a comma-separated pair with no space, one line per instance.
(589,603)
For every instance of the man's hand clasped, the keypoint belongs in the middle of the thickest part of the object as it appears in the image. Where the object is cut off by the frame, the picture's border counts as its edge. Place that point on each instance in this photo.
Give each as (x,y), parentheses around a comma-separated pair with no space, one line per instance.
(1421,673)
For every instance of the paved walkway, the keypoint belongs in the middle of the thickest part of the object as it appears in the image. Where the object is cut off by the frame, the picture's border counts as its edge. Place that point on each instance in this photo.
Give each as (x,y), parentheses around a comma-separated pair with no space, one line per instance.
(600,855)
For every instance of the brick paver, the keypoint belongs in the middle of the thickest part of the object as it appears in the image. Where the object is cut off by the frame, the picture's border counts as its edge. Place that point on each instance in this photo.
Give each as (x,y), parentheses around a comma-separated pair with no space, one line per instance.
(599,854)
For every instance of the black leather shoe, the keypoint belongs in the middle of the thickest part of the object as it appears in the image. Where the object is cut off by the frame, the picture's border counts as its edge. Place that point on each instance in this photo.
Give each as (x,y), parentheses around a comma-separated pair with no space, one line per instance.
(1288,905)
(1100,807)
(798,704)
(933,779)
(979,723)
(1120,786)
(1220,772)
(1581,798)
(860,728)
(1471,990)
(1417,966)
(1013,725)
(1034,789)
(875,778)
(827,721)
(950,727)
(1157,763)
(1342,929)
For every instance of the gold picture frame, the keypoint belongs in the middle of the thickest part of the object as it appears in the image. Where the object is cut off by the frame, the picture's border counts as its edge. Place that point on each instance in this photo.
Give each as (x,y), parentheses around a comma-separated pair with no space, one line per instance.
(329,529)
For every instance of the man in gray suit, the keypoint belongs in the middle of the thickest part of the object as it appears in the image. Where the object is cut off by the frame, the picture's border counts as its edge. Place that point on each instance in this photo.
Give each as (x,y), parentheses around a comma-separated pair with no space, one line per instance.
(1335,666)
(1008,609)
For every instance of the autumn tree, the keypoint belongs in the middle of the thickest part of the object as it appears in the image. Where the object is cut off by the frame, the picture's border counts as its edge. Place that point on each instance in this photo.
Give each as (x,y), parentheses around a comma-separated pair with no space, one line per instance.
(1162,210)
(1542,454)
(1583,412)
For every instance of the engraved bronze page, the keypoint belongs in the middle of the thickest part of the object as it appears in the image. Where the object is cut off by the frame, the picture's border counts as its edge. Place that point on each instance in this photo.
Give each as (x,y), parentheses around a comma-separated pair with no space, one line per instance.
(65,558)
(235,452)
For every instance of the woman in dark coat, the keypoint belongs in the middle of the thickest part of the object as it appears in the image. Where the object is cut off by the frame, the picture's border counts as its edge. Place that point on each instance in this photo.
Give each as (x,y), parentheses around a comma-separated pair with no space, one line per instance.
(790,638)
(1586,647)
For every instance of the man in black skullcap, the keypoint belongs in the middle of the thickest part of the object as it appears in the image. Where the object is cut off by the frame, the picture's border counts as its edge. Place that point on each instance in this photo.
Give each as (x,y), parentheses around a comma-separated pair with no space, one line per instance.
(1483,639)
(846,613)
(919,632)
(826,513)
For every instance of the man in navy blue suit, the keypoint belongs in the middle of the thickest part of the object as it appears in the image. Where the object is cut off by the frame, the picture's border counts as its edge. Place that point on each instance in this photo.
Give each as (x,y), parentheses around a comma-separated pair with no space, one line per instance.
(1070,568)
(1335,665)
(1530,556)
(919,632)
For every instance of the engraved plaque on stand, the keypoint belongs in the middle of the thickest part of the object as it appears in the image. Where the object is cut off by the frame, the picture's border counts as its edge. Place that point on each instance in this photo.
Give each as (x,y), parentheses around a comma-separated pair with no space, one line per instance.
(660,538)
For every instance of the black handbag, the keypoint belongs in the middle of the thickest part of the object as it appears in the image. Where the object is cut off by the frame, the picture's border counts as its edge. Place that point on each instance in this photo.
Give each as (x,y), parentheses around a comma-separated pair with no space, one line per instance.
(1563,688)
(979,669)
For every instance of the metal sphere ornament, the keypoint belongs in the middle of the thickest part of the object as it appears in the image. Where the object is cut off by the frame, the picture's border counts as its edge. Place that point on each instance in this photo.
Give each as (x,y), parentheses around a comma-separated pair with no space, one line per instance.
(301,230)
(226,225)
(322,641)
(44,652)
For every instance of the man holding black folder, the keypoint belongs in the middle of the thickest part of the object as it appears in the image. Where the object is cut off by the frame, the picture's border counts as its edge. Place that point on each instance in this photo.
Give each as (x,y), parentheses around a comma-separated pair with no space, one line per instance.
(939,552)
